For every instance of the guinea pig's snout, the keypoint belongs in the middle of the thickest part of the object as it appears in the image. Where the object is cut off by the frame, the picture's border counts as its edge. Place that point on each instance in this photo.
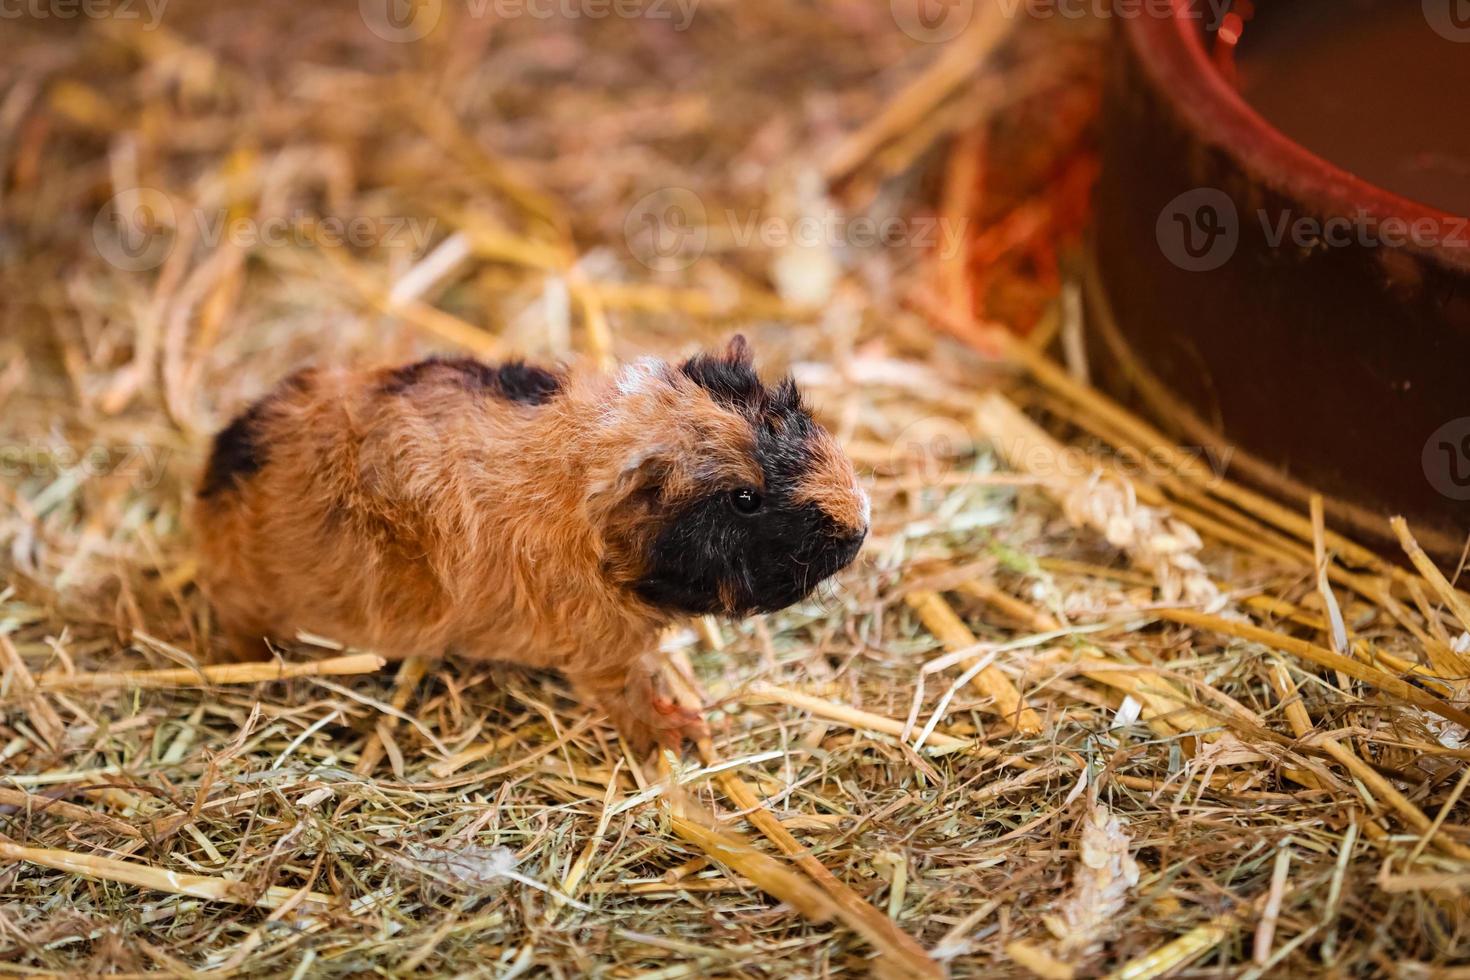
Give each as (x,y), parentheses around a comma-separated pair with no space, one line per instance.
(851,541)
(849,545)
(844,547)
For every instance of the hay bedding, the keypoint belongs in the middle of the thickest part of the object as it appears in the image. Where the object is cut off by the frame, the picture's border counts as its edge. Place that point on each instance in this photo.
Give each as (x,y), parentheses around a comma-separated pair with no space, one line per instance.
(1071,714)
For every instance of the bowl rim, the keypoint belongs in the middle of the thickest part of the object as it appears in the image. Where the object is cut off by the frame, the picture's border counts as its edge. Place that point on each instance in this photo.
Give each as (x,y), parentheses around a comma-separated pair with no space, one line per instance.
(1172,48)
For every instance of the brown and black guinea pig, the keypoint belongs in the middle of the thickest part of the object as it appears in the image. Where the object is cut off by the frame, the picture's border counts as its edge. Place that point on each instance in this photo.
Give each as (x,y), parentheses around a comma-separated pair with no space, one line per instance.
(550,518)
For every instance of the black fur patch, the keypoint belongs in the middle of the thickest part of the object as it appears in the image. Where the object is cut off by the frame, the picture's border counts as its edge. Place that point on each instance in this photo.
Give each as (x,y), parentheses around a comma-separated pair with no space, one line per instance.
(237,453)
(734,384)
(710,558)
(514,381)
(522,382)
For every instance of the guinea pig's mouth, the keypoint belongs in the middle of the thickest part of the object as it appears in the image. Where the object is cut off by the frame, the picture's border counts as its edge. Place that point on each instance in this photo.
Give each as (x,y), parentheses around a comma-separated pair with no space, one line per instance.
(741,585)
(814,565)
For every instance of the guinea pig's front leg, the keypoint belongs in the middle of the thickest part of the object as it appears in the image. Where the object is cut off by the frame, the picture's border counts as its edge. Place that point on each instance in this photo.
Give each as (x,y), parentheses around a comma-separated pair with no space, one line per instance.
(635,701)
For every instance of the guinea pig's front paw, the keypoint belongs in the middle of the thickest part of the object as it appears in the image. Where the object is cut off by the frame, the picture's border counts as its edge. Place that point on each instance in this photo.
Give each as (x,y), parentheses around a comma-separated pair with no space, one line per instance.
(647,722)
(643,714)
(674,724)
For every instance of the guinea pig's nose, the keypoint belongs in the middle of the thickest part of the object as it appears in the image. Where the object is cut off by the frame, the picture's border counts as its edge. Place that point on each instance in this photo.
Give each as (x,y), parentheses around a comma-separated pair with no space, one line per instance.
(849,546)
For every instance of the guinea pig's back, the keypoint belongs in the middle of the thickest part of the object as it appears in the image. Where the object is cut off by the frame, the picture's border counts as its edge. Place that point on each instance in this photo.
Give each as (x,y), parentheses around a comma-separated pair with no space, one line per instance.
(332,503)
(263,507)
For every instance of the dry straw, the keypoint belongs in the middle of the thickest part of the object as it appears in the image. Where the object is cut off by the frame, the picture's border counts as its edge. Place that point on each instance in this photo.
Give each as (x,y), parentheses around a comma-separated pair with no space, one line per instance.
(1066,717)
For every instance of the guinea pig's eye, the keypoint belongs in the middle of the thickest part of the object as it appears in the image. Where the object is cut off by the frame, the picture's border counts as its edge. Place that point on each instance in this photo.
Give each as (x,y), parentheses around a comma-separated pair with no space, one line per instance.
(745,501)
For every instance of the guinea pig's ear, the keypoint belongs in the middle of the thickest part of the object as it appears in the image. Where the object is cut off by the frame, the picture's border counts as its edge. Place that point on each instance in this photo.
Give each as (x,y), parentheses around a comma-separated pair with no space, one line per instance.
(737,351)
(623,510)
(786,397)
(634,479)
(730,371)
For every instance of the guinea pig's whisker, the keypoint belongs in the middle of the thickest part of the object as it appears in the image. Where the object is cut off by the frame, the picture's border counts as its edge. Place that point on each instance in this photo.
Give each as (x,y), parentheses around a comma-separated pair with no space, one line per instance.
(829,596)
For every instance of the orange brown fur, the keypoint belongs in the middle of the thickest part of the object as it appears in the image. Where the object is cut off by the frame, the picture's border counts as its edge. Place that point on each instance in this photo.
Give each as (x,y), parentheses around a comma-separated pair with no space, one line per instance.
(832,486)
(435,517)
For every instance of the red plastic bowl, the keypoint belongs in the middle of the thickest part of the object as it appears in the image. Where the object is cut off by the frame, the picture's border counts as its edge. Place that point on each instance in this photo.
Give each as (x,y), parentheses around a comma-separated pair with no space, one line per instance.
(1261,301)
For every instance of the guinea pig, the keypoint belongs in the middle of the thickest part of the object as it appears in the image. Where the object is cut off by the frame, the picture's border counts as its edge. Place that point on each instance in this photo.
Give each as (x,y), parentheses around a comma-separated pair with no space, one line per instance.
(550,518)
